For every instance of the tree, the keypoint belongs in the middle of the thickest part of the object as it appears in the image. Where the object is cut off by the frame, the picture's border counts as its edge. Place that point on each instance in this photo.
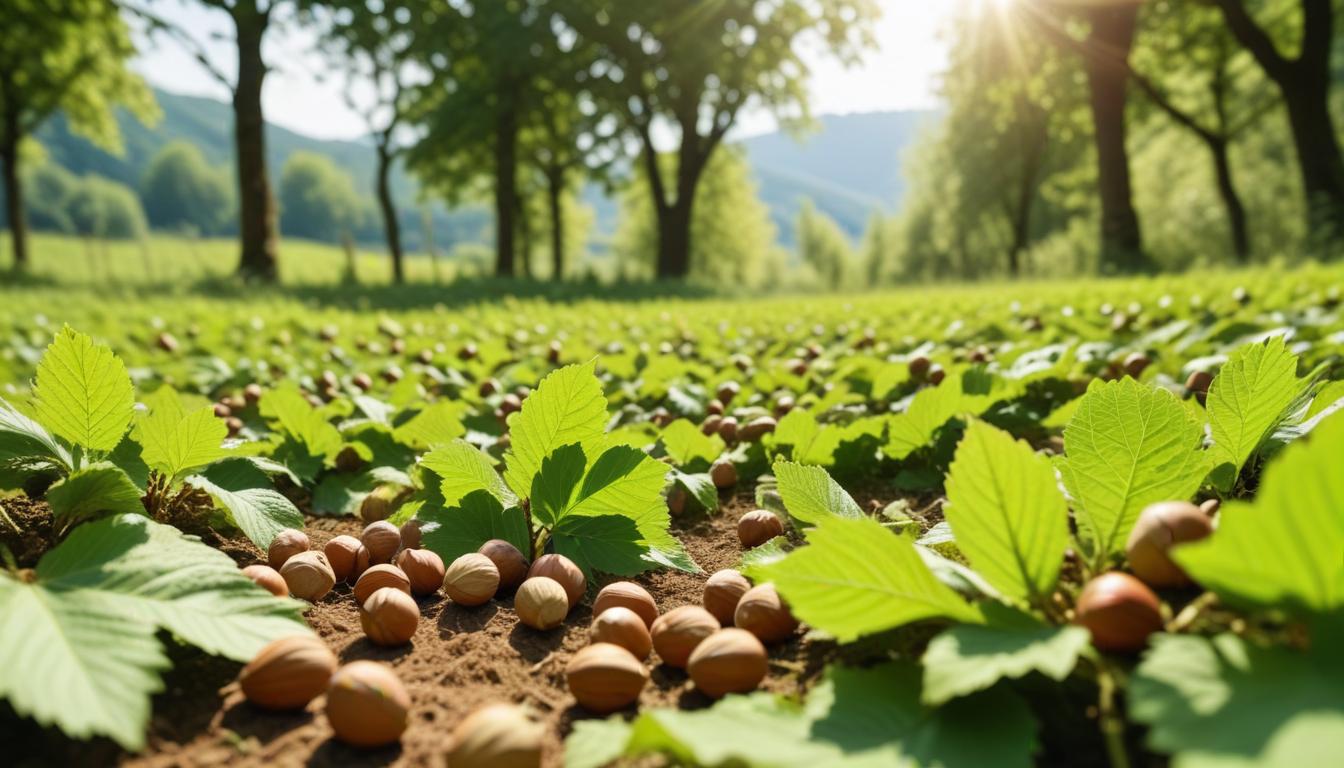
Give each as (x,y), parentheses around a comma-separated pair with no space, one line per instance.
(877,250)
(68,56)
(181,191)
(823,246)
(100,208)
(690,68)
(317,199)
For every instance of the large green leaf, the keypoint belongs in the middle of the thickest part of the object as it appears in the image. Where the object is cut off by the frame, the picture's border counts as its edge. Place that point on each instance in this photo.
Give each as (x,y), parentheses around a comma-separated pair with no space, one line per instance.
(83,392)
(244,492)
(566,407)
(475,519)
(175,443)
(463,469)
(969,658)
(687,445)
(810,494)
(855,578)
(602,543)
(25,441)
(433,426)
(553,487)
(95,488)
(1247,400)
(1007,513)
(79,640)
(809,442)
(1127,446)
(318,441)
(929,409)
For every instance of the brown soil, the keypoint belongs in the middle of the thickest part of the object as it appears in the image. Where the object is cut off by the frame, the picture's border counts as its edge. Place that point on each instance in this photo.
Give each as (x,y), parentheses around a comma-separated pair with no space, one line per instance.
(34,534)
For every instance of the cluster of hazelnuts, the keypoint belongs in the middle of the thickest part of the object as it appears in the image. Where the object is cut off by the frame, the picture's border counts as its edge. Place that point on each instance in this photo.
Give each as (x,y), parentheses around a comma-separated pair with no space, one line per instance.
(719,422)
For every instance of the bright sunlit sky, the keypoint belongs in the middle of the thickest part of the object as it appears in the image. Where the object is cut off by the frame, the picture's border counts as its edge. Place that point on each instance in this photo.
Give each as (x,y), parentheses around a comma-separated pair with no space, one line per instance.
(901,74)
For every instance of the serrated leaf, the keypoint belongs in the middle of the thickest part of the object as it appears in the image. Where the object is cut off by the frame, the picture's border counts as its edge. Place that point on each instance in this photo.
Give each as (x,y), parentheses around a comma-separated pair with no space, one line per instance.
(810,442)
(602,543)
(566,407)
(553,487)
(930,409)
(714,737)
(810,494)
(596,743)
(435,425)
(174,443)
(1247,399)
(969,658)
(687,445)
(478,517)
(305,425)
(244,492)
(341,494)
(22,439)
(83,392)
(96,488)
(771,551)
(462,469)
(1007,513)
(855,578)
(1127,446)
(700,486)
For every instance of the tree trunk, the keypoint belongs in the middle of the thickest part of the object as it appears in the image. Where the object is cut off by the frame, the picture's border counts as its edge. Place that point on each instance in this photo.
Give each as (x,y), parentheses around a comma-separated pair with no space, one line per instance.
(1227,190)
(674,240)
(524,239)
(1112,37)
(506,189)
(256,206)
(427,227)
(18,225)
(555,187)
(391,227)
(1318,155)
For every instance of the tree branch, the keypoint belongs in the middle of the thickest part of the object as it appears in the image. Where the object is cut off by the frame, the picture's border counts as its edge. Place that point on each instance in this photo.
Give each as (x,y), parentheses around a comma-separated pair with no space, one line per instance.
(193,46)
(1254,39)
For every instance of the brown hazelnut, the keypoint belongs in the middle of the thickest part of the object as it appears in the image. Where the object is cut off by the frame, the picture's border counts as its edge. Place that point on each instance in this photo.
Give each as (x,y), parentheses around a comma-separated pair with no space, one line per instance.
(723,474)
(757,527)
(604,678)
(285,545)
(763,613)
(621,626)
(676,633)
(389,617)
(343,552)
(268,579)
(1119,611)
(1198,384)
(510,562)
(367,705)
(711,424)
(378,577)
(471,579)
(629,595)
(423,568)
(564,572)
(382,539)
(1136,363)
(918,366)
(723,590)
(729,661)
(757,428)
(728,429)
(288,673)
(541,603)
(308,576)
(497,736)
(727,391)
(1160,527)
(410,534)
(380,504)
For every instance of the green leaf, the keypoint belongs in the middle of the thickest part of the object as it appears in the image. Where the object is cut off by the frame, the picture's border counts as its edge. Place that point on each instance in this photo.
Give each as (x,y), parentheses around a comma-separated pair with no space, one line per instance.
(930,409)
(292,415)
(1007,513)
(596,743)
(342,494)
(83,392)
(687,445)
(1284,548)
(96,488)
(244,492)
(855,578)
(700,486)
(177,443)
(810,442)
(80,641)
(1127,446)
(478,517)
(970,658)
(810,494)
(553,487)
(771,551)
(1221,702)
(1247,399)
(602,543)
(25,441)
(464,469)
(436,425)
(566,407)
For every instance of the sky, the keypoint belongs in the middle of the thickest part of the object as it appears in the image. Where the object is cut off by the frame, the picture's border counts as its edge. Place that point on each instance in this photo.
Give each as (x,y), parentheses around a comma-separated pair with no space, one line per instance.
(900,74)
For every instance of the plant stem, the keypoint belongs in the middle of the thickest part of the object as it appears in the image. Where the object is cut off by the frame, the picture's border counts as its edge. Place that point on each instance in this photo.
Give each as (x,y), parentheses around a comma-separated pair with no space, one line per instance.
(10,520)
(1191,612)
(1111,721)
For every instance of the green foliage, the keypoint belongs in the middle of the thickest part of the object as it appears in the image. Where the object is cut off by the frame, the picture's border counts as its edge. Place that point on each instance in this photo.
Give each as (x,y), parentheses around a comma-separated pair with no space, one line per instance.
(823,247)
(810,495)
(317,199)
(969,658)
(83,392)
(1246,401)
(101,208)
(567,408)
(242,491)
(96,488)
(174,442)
(181,191)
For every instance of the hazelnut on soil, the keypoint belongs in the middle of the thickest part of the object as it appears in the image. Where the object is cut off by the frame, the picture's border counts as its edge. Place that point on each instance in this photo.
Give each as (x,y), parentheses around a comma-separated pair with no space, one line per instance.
(621,626)
(308,576)
(511,563)
(723,473)
(378,577)
(604,678)
(676,633)
(1119,611)
(267,578)
(541,603)
(343,553)
(757,527)
(252,393)
(723,590)
(361,563)
(380,504)
(389,617)
(382,539)
(367,705)
(727,391)
(564,572)
(1160,527)
(410,534)
(711,424)
(728,429)
(497,736)
(285,545)
(287,673)
(471,579)
(423,569)
(629,595)
(757,428)
(763,613)
(729,661)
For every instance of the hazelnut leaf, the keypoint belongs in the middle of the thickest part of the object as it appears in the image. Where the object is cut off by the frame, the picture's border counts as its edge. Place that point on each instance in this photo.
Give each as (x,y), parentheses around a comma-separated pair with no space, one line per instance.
(566,407)
(463,468)
(83,392)
(1247,400)
(810,494)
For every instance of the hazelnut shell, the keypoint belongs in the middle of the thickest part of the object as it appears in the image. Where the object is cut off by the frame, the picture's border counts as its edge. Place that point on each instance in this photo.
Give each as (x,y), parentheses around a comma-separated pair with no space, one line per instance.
(1120,612)
(729,661)
(367,705)
(564,572)
(604,678)
(510,562)
(379,577)
(423,568)
(288,673)
(1160,527)
(389,617)
(757,527)
(630,595)
(723,590)
(343,552)
(285,545)
(541,603)
(268,579)
(621,626)
(676,633)
(308,576)
(497,736)
(471,580)
(382,539)
(763,613)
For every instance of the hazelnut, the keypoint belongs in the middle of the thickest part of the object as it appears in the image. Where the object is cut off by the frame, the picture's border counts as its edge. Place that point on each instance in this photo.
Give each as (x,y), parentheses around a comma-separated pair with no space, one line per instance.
(723,474)
(564,572)
(757,527)
(267,578)
(1198,384)
(471,580)
(1136,363)
(343,552)
(621,626)
(605,677)
(497,736)
(361,563)
(510,562)
(676,633)
(936,374)
(1119,611)
(919,366)
(308,576)
(410,534)
(379,505)
(723,590)
(629,595)
(252,393)
(757,428)
(729,661)
(382,539)
(711,424)
(714,408)
(367,705)
(285,545)
(728,429)
(727,391)
(764,614)
(389,617)
(288,673)
(423,568)
(1160,527)
(541,603)
(378,577)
